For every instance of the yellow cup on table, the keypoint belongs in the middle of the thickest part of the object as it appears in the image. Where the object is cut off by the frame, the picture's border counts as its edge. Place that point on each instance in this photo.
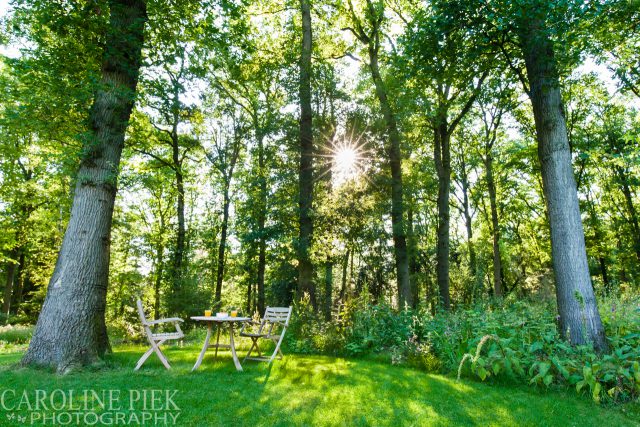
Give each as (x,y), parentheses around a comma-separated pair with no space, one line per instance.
(234,313)
(207,313)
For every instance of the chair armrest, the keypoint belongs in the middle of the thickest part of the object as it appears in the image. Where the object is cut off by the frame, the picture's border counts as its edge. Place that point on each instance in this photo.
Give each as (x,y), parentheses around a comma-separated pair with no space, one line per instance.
(250,322)
(169,320)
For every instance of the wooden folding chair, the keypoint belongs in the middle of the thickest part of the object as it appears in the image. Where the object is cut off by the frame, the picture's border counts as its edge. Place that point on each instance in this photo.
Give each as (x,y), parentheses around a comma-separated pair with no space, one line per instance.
(157,339)
(275,318)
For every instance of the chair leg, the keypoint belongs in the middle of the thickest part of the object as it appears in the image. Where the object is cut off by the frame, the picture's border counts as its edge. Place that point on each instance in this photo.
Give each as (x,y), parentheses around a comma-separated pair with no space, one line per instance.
(258,347)
(155,347)
(277,349)
(253,345)
(144,358)
(163,359)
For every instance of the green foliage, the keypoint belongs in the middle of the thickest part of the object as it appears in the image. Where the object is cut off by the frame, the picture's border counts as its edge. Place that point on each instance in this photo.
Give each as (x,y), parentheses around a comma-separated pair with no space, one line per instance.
(538,356)
(515,340)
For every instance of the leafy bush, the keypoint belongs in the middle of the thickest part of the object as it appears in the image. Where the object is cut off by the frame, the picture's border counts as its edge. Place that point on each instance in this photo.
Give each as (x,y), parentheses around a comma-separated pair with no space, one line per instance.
(549,360)
(517,340)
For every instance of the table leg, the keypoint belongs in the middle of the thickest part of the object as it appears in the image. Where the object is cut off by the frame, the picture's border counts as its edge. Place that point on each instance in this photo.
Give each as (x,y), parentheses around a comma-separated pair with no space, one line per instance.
(204,347)
(233,348)
(219,326)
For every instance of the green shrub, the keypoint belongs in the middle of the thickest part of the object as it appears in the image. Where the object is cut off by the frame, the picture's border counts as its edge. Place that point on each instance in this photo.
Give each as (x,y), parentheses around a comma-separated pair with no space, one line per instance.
(513,339)
(549,360)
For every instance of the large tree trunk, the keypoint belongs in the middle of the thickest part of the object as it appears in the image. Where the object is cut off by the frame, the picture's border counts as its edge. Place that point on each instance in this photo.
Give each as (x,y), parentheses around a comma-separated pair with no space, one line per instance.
(579,317)
(405,296)
(442,157)
(305,267)
(221,248)
(495,227)
(71,328)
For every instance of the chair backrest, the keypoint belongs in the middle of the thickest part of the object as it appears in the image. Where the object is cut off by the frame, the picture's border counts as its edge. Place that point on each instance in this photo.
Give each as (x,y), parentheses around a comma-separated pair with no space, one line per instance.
(143,318)
(280,315)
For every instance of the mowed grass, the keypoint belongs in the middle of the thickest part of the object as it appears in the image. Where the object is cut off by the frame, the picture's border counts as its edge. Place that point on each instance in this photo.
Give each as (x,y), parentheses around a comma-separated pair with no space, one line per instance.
(319,390)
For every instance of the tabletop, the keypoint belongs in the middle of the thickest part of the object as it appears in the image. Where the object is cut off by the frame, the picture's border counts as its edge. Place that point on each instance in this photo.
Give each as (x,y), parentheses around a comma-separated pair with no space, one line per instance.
(220,319)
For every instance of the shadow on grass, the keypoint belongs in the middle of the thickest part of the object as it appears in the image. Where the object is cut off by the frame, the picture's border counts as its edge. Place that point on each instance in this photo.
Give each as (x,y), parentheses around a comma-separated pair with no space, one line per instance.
(318,390)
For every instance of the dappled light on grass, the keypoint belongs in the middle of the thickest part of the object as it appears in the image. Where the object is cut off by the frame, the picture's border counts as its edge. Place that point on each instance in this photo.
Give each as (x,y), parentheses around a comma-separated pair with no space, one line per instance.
(319,390)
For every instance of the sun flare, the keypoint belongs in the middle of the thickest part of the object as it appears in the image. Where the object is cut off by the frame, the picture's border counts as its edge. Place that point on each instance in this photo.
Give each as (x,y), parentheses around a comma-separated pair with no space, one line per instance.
(347,162)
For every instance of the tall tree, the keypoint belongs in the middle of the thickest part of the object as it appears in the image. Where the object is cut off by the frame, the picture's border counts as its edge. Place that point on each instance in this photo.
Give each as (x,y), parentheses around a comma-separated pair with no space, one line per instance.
(305,197)
(367,27)
(71,328)
(226,146)
(531,34)
(449,65)
(493,105)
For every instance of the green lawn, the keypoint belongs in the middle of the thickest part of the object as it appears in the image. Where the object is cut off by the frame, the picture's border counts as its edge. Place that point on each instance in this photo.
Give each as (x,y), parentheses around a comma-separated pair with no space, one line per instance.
(318,390)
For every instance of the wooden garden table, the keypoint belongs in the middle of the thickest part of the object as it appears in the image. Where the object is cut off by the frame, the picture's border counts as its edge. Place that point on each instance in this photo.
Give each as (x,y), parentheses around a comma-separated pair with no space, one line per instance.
(219,321)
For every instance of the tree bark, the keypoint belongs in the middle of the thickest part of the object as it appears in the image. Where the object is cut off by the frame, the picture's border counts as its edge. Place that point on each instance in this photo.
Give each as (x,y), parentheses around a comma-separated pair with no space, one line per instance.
(631,209)
(442,157)
(345,265)
(158,281)
(405,296)
(305,266)
(222,248)
(468,222)
(413,261)
(18,282)
(328,288)
(579,317)
(495,227)
(262,214)
(178,256)
(71,328)
(8,287)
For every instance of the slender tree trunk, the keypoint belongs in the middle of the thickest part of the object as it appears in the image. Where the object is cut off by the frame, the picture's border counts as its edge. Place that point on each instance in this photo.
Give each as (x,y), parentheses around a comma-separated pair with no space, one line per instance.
(579,317)
(442,157)
(158,281)
(495,227)
(178,256)
(18,283)
(631,209)
(305,266)
(222,247)
(343,288)
(262,214)
(71,328)
(413,261)
(328,288)
(8,286)
(249,296)
(468,222)
(405,296)
(600,241)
